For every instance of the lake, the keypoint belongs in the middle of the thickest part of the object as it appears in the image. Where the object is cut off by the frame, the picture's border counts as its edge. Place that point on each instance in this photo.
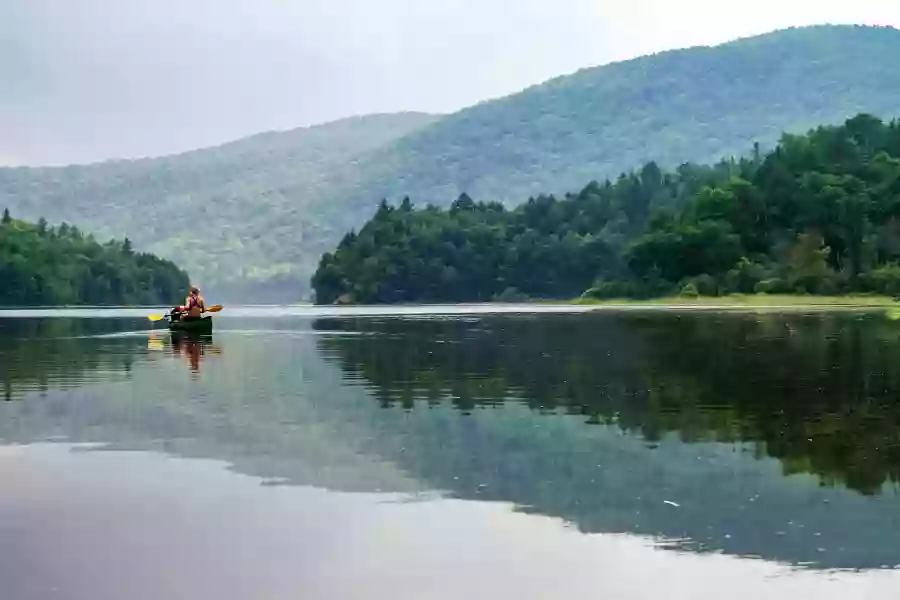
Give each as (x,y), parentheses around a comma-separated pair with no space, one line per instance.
(476,452)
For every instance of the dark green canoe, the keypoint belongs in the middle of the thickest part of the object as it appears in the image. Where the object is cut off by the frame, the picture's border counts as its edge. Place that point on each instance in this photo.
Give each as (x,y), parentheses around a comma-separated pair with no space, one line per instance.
(203,325)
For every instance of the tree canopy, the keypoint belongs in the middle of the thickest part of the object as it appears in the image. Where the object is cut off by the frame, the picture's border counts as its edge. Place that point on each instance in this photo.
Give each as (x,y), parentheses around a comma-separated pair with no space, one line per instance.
(42,265)
(818,214)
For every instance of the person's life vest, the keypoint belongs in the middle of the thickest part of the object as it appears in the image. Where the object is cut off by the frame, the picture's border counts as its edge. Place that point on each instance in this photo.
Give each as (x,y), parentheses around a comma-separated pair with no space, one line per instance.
(194,302)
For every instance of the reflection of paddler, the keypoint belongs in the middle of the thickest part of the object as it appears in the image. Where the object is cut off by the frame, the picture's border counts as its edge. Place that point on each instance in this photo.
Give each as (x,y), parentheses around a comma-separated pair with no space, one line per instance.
(188,349)
(193,348)
(192,352)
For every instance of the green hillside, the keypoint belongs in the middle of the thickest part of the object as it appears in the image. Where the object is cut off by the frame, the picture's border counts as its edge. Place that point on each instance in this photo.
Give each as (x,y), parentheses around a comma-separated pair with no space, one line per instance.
(819,214)
(252,215)
(692,105)
(209,209)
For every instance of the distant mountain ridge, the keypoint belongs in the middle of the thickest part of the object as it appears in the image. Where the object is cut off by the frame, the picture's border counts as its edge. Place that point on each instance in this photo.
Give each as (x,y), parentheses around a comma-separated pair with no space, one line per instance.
(203,206)
(695,104)
(263,209)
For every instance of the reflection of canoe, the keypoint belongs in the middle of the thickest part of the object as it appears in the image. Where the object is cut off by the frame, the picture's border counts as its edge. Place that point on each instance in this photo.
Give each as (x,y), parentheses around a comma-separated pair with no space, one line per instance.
(203,325)
(197,337)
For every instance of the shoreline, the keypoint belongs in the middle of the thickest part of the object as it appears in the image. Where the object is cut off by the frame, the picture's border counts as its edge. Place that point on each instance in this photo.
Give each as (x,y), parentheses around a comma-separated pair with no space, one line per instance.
(730,303)
(773,302)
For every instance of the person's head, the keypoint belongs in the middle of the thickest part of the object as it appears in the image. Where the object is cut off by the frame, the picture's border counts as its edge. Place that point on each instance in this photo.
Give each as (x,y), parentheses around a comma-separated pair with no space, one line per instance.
(195,291)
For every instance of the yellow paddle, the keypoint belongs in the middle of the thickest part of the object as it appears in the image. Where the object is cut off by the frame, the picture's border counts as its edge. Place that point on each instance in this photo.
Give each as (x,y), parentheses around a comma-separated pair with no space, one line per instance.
(215,308)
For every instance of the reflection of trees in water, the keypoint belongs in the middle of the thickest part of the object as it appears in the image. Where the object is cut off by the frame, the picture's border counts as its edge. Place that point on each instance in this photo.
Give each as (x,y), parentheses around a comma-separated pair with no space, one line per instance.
(490,361)
(38,354)
(671,378)
(248,405)
(817,392)
(273,408)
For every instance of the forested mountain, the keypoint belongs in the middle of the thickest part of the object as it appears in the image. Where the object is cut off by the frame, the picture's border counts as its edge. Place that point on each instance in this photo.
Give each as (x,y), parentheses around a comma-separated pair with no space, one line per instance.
(52,266)
(696,105)
(238,212)
(231,215)
(818,214)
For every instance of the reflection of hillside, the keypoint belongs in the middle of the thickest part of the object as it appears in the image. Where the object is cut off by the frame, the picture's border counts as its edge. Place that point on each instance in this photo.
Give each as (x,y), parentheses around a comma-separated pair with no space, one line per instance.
(615,369)
(546,362)
(246,404)
(40,354)
(817,392)
(309,409)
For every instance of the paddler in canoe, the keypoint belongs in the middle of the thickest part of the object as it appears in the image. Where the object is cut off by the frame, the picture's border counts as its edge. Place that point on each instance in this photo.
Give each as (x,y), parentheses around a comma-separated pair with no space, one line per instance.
(190,316)
(193,308)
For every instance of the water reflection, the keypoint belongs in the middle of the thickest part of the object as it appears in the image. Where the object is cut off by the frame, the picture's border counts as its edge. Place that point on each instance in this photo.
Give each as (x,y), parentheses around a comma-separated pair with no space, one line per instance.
(751,435)
(705,402)
(189,529)
(193,348)
(37,354)
(41,354)
(818,392)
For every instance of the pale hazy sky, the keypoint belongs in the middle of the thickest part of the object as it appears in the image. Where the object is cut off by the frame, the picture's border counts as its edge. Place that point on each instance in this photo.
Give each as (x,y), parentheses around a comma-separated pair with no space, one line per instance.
(83,80)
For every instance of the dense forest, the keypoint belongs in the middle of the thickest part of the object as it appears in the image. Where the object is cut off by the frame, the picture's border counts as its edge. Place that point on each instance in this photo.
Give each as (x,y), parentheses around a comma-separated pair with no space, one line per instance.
(42,265)
(257,214)
(818,214)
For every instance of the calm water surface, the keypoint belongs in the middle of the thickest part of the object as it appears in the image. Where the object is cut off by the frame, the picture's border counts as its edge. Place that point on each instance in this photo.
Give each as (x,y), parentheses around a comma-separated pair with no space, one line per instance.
(476,452)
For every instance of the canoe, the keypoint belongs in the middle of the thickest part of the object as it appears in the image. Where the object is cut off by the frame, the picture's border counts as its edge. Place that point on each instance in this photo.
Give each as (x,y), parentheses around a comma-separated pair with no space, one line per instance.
(203,325)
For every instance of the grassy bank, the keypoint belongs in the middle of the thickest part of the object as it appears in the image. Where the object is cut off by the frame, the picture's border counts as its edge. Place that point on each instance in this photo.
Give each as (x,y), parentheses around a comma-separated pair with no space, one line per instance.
(751,301)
